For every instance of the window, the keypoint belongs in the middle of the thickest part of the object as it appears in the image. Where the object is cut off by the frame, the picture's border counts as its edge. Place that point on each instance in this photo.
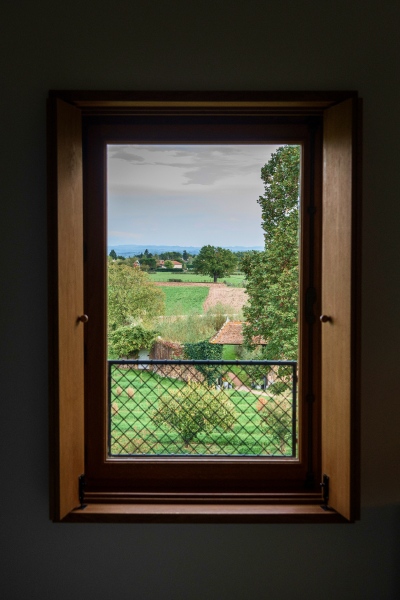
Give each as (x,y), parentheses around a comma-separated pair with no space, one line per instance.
(242,490)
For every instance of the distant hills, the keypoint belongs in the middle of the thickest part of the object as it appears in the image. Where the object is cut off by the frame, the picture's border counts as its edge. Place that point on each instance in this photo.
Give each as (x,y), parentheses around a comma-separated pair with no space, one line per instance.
(133,250)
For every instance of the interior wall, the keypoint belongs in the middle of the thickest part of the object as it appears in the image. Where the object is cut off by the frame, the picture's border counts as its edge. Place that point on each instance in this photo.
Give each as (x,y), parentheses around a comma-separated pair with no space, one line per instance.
(179,45)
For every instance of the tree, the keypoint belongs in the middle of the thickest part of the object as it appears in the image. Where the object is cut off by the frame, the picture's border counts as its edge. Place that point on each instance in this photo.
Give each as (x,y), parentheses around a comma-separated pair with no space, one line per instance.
(169,264)
(132,297)
(215,262)
(185,255)
(273,275)
(129,339)
(205,350)
(150,262)
(113,255)
(131,261)
(193,409)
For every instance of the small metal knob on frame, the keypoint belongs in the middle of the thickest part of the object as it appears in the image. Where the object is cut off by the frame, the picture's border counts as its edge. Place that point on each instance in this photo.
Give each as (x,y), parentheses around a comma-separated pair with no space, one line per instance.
(83,318)
(325,318)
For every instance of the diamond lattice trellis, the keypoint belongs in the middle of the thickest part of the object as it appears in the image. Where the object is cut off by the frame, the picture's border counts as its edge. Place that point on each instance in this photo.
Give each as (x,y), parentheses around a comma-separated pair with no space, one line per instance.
(197,408)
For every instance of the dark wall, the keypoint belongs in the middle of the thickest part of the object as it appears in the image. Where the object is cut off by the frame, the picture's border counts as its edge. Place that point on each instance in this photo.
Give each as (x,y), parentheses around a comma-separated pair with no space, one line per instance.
(215,45)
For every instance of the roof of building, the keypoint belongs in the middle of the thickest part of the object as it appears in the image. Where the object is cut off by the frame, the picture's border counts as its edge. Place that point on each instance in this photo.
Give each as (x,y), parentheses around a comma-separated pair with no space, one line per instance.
(231,333)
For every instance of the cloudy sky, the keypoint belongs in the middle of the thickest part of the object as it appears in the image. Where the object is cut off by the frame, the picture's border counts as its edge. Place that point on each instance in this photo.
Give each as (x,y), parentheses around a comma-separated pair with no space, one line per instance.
(185,195)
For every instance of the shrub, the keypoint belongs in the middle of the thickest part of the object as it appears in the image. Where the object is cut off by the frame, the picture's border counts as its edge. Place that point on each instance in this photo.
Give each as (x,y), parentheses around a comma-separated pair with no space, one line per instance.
(119,390)
(205,351)
(131,392)
(175,280)
(276,420)
(128,339)
(218,314)
(193,409)
(114,409)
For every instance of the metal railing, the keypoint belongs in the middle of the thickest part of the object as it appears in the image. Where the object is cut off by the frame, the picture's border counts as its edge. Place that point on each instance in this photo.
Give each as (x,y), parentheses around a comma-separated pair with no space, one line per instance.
(200,407)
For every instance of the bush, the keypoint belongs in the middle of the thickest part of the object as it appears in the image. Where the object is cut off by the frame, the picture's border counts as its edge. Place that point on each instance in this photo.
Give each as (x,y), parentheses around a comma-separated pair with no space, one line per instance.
(175,280)
(276,420)
(172,270)
(206,351)
(127,340)
(194,409)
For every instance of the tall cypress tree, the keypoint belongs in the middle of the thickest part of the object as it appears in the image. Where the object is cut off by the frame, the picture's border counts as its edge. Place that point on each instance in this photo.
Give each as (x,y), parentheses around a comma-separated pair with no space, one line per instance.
(273,275)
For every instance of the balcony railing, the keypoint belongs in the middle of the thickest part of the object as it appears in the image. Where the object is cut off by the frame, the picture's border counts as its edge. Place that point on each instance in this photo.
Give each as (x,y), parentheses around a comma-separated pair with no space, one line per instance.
(200,407)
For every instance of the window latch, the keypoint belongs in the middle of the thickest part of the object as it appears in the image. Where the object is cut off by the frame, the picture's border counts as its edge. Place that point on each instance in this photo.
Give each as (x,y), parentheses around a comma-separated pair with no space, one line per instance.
(325,492)
(82,485)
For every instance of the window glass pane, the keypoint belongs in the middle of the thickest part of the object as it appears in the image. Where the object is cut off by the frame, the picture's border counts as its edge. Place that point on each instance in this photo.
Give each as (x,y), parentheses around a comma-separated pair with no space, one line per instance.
(203,247)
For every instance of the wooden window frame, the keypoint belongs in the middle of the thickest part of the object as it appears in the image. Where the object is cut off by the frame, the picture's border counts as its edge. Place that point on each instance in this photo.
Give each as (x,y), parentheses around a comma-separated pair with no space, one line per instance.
(190,490)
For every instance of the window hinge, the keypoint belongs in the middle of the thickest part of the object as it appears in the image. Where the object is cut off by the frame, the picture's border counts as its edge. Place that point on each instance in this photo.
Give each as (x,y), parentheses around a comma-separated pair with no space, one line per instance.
(325,492)
(82,486)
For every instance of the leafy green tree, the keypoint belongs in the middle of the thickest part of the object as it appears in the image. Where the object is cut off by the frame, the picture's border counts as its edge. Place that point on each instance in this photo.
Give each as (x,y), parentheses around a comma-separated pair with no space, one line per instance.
(113,254)
(169,264)
(276,421)
(132,297)
(150,262)
(131,261)
(193,409)
(215,262)
(205,350)
(185,255)
(129,339)
(273,275)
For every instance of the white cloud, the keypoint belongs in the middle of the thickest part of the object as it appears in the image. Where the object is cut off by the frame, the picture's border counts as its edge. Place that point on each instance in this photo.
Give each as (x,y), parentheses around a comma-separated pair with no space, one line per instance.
(193,194)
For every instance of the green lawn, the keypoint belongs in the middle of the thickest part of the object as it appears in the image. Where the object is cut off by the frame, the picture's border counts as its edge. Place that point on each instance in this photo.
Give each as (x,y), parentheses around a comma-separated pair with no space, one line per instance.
(229,353)
(184,300)
(133,432)
(192,278)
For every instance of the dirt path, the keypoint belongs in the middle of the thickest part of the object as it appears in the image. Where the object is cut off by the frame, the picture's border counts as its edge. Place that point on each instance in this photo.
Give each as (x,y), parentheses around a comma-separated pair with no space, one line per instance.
(235,297)
(169,283)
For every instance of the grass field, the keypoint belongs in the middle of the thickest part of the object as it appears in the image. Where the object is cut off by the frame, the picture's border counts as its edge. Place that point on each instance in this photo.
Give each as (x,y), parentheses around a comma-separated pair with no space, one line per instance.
(229,353)
(184,300)
(192,278)
(133,432)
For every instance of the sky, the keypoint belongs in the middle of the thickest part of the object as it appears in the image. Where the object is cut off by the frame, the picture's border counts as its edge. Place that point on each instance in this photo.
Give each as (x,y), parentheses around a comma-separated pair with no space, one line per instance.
(190,195)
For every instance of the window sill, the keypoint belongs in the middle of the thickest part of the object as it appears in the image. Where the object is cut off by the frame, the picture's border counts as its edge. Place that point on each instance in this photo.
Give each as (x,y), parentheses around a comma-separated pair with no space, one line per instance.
(202,513)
